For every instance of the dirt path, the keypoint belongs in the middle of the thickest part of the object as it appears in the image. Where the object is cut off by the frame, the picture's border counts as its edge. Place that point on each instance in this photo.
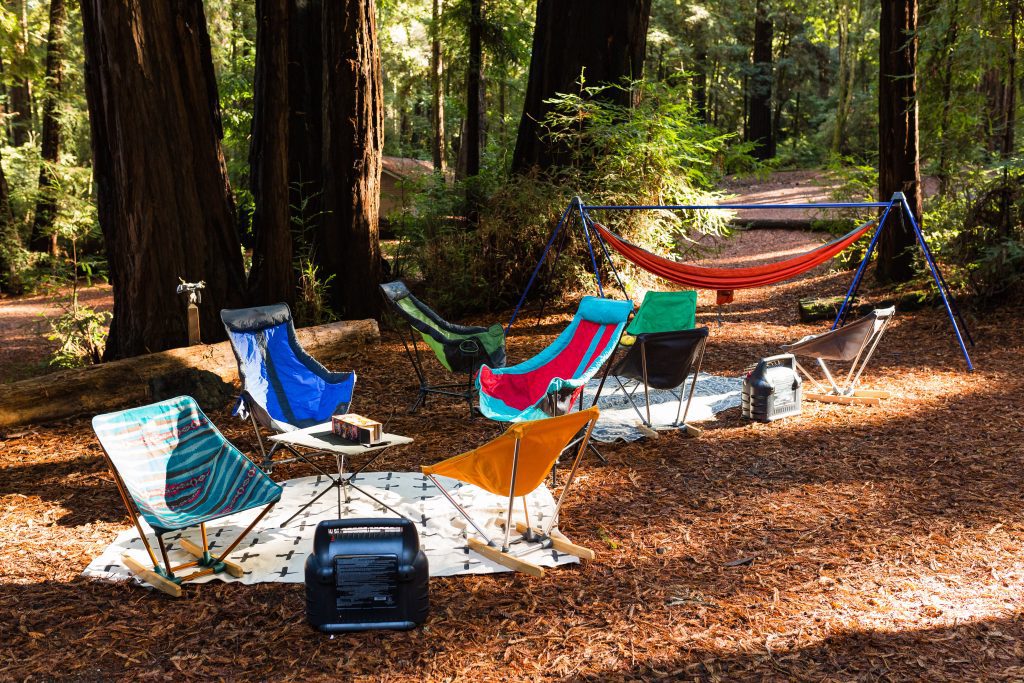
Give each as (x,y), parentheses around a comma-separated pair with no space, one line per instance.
(792,187)
(25,322)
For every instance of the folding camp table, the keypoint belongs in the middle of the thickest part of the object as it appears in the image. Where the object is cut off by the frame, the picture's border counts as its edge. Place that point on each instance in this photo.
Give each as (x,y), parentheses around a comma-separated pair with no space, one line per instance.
(321,438)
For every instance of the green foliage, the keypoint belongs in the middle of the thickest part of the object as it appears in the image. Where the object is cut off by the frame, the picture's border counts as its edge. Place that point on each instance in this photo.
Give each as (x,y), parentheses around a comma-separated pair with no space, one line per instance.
(81,333)
(311,307)
(850,181)
(654,153)
(232,26)
(466,270)
(980,230)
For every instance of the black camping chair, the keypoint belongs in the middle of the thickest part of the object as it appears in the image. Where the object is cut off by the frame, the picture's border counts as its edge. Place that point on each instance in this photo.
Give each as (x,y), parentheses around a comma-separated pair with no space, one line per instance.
(459,348)
(660,360)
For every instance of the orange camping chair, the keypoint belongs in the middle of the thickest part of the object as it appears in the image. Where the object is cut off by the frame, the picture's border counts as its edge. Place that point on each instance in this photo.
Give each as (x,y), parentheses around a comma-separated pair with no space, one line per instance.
(513,465)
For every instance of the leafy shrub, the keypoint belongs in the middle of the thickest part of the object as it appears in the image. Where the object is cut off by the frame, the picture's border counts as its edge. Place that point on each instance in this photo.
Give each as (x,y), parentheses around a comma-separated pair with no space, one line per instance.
(81,333)
(652,153)
(311,307)
(979,228)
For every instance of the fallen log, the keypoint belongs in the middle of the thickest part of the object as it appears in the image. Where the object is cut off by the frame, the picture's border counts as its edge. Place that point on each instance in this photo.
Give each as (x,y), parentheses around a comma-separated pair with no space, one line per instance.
(205,371)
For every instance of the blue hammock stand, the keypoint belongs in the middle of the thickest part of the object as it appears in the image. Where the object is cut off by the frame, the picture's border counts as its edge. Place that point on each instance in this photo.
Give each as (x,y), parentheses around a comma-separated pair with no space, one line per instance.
(898,203)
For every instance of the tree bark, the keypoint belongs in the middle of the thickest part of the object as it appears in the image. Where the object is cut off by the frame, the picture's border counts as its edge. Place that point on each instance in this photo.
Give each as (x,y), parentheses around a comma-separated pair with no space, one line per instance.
(20,94)
(305,119)
(43,236)
(899,167)
(700,85)
(1010,98)
(162,187)
(436,82)
(348,245)
(133,381)
(9,239)
(474,77)
(946,57)
(606,39)
(272,277)
(760,84)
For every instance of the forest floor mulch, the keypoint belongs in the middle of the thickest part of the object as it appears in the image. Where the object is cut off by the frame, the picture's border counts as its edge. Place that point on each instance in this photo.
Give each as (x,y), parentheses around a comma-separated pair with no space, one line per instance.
(848,543)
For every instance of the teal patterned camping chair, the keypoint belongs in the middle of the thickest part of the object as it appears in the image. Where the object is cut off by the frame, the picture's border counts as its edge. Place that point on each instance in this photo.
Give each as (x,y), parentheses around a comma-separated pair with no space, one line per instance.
(175,469)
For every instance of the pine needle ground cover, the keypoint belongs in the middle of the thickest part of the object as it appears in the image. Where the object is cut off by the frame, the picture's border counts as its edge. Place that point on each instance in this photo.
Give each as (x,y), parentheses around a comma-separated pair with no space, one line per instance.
(849,543)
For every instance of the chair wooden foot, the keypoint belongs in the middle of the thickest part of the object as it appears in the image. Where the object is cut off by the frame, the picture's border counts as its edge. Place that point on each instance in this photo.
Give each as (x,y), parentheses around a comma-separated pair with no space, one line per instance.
(232,568)
(845,400)
(161,583)
(647,431)
(504,559)
(695,432)
(560,543)
(872,393)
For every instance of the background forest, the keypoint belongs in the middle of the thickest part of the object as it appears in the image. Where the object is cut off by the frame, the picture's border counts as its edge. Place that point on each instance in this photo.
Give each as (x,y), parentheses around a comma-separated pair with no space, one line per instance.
(720,88)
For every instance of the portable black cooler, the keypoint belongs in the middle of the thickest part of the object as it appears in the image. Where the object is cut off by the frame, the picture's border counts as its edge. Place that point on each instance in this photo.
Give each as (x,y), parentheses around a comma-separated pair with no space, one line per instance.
(772,390)
(366,574)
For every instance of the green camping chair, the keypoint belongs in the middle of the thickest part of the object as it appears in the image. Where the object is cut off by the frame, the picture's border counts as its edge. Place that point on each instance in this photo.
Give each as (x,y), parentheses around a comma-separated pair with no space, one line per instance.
(458,348)
(665,312)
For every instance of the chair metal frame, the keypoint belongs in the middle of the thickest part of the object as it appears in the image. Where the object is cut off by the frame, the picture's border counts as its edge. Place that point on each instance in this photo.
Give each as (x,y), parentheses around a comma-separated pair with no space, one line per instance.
(472,349)
(629,393)
(267,462)
(468,346)
(534,538)
(848,392)
(162,577)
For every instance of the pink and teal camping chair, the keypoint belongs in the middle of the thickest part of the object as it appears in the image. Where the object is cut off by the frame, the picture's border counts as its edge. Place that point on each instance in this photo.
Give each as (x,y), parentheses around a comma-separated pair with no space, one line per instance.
(552,381)
(174,469)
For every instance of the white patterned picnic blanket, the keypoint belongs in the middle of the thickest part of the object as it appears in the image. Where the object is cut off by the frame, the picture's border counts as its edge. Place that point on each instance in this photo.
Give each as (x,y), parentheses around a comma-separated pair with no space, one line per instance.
(274,554)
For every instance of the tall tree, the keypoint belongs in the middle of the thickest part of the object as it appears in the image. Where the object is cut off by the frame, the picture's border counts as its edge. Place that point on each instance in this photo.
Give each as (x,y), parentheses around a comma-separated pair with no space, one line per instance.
(760,85)
(436,83)
(1011,85)
(899,167)
(474,90)
(20,93)
(271,278)
(604,39)
(305,113)
(9,240)
(43,236)
(353,122)
(163,198)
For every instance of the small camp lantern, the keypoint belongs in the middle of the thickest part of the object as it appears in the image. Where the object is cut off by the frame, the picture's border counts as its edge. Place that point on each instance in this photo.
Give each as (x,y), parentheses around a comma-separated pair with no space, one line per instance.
(366,574)
(772,390)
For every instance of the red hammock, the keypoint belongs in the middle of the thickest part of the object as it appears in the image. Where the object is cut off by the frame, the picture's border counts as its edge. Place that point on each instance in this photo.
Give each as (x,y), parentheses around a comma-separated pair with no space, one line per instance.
(725,279)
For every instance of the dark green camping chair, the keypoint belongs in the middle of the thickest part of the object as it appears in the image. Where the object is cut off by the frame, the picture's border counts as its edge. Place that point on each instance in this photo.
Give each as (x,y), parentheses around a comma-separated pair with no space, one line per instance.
(458,348)
(665,312)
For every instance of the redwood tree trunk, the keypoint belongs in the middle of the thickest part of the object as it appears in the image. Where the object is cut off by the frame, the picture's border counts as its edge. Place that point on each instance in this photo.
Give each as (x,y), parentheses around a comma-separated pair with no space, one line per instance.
(436,78)
(348,245)
(43,236)
(9,240)
(271,278)
(305,113)
(20,93)
(162,188)
(606,38)
(1010,98)
(700,85)
(474,76)
(760,84)
(899,168)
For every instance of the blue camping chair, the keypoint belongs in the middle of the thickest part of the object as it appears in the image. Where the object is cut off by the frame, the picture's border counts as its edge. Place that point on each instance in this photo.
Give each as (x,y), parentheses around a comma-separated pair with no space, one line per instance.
(283,387)
(175,469)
